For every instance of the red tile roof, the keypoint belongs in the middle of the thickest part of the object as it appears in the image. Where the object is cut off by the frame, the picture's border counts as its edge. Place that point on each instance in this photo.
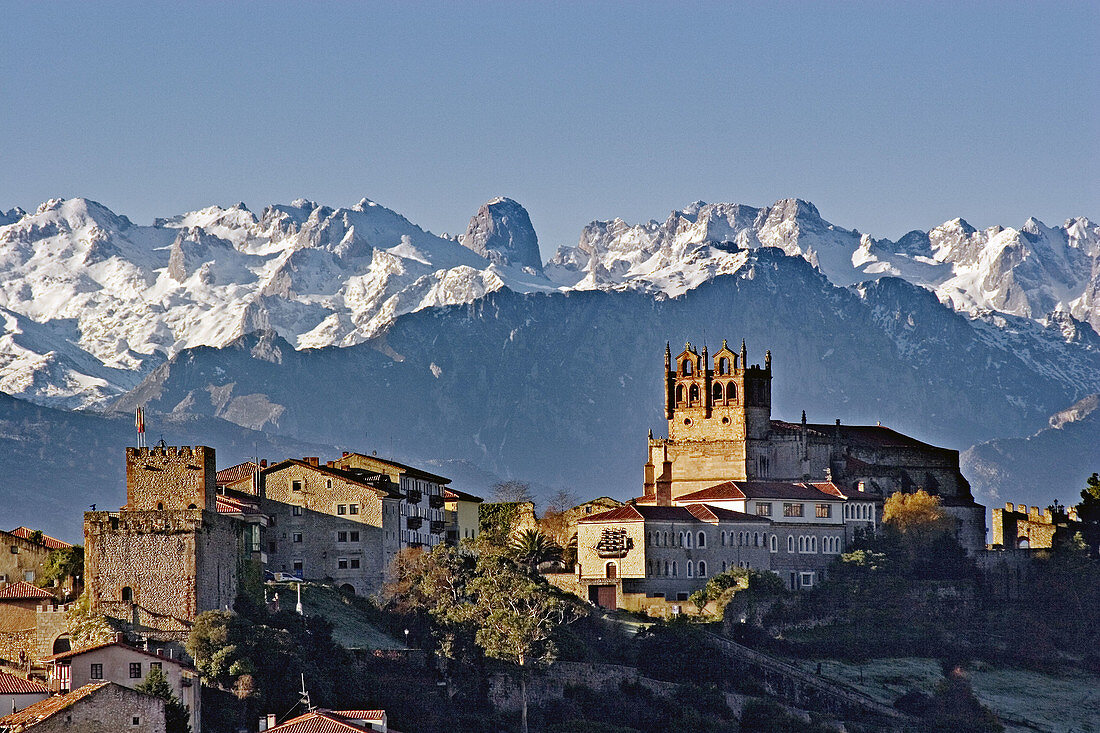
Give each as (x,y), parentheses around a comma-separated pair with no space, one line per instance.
(95,647)
(328,721)
(730,490)
(34,714)
(360,714)
(12,685)
(50,542)
(22,589)
(456,495)
(234,474)
(358,477)
(692,512)
(229,505)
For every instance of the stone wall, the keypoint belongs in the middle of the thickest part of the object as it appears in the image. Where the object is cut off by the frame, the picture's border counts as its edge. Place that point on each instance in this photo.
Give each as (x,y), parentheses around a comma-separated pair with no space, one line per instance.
(51,622)
(19,556)
(110,709)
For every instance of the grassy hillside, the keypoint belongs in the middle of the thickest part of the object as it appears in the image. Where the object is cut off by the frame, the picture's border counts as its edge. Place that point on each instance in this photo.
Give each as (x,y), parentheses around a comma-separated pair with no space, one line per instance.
(354,623)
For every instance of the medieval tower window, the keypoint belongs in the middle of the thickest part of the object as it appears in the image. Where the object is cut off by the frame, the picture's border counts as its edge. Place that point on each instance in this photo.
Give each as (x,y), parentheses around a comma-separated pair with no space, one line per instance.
(723,365)
(702,569)
(686,370)
(679,393)
(702,540)
(716,392)
(693,394)
(731,391)
(690,569)
(127,593)
(775,543)
(295,485)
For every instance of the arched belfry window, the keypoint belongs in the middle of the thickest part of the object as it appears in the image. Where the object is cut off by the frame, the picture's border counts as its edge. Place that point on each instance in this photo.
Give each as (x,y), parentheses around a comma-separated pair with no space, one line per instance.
(731,391)
(679,393)
(686,369)
(716,392)
(693,393)
(723,365)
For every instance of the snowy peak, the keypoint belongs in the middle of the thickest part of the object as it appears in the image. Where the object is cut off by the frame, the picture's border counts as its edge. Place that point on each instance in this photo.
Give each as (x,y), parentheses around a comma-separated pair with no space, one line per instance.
(501,231)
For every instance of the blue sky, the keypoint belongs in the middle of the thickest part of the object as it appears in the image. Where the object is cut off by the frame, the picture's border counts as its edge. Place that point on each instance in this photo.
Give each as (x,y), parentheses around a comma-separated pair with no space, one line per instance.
(889,117)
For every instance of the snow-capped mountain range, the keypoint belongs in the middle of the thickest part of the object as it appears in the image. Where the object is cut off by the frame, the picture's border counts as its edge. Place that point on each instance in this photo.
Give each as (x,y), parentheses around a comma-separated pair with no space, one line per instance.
(91,302)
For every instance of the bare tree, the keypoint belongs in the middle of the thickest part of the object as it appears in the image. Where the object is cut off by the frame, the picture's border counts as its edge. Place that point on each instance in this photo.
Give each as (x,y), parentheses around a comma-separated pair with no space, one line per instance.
(512,491)
(561,501)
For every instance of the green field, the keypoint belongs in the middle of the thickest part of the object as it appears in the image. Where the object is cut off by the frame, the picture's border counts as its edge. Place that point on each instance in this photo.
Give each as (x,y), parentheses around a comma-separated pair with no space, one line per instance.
(352,626)
(1022,699)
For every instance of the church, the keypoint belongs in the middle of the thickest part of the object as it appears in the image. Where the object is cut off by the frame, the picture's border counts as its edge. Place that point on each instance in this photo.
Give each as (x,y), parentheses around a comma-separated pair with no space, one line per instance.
(732,487)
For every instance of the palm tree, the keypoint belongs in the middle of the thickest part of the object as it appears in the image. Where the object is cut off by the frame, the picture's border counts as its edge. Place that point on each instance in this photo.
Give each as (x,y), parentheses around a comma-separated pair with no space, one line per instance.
(531,548)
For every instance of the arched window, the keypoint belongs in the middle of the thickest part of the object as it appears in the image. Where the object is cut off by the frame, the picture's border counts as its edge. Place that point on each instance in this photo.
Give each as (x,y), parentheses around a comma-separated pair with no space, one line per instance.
(160,505)
(756,539)
(701,570)
(679,393)
(723,533)
(674,568)
(702,540)
(716,392)
(61,645)
(649,567)
(127,593)
(686,368)
(1023,543)
(731,391)
(192,506)
(801,543)
(610,570)
(723,566)
(667,538)
(813,544)
(693,394)
(775,543)
(723,365)
(689,569)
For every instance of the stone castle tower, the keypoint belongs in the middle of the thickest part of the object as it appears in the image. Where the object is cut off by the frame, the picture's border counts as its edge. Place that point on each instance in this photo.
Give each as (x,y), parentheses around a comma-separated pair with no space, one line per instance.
(718,410)
(167,555)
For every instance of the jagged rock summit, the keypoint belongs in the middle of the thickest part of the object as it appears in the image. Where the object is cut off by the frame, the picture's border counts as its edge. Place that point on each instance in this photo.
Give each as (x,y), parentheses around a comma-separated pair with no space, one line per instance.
(501,231)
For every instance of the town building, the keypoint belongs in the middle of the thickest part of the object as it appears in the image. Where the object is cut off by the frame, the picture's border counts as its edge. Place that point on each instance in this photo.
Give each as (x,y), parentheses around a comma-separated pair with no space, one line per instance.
(17,693)
(103,707)
(19,605)
(720,429)
(642,556)
(335,721)
(168,554)
(461,514)
(128,666)
(24,554)
(330,523)
(423,522)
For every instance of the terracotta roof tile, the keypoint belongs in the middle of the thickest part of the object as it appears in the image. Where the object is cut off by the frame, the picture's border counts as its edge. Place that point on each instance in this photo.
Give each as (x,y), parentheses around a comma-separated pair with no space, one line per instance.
(730,490)
(322,721)
(95,647)
(36,713)
(456,495)
(51,542)
(22,589)
(235,473)
(693,512)
(12,685)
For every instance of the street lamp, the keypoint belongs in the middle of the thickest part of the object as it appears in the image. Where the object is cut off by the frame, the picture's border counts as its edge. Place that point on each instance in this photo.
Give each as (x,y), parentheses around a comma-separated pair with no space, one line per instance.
(406,638)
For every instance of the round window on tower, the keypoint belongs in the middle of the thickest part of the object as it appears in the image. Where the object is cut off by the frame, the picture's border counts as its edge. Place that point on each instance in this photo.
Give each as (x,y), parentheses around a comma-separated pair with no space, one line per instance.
(687,421)
(725,421)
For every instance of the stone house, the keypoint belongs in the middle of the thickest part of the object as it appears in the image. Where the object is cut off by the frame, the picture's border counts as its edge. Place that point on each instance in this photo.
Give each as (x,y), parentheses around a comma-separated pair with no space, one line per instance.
(17,693)
(19,603)
(168,554)
(127,666)
(104,707)
(462,515)
(720,429)
(422,508)
(641,556)
(331,524)
(23,554)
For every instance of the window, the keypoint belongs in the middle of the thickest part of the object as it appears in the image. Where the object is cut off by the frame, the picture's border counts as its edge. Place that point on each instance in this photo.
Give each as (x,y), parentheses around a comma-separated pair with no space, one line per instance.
(28,575)
(156,665)
(690,569)
(353,536)
(127,593)
(693,393)
(702,569)
(716,392)
(702,540)
(674,568)
(341,536)
(801,544)
(328,483)
(731,391)
(806,580)
(686,370)
(824,511)
(355,563)
(296,537)
(96,672)
(353,508)
(723,365)
(295,485)
(756,539)
(136,720)
(775,543)
(295,511)
(342,563)
(723,538)
(689,539)
(792,510)
(135,670)
(813,544)
(341,509)
(790,543)
(679,398)
(298,566)
(763,508)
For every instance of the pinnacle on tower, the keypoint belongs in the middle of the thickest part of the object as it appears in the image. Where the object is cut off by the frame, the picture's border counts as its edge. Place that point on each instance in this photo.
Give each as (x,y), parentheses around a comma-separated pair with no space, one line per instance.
(744,355)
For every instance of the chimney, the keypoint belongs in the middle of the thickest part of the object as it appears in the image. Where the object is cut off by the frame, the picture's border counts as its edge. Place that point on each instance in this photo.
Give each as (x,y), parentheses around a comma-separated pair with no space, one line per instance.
(346,454)
(263,463)
(330,464)
(312,460)
(120,638)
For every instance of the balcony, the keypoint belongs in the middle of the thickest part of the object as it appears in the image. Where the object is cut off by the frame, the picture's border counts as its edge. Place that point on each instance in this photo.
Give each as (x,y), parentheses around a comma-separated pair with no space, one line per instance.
(435,501)
(437,527)
(414,522)
(413,496)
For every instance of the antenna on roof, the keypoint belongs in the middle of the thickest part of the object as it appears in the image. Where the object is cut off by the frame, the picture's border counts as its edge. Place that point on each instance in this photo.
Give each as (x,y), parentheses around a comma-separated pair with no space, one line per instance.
(305,695)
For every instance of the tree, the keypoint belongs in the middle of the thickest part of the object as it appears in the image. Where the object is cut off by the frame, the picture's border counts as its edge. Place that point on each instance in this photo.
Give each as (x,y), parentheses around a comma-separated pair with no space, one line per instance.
(954,707)
(63,565)
(555,520)
(512,491)
(1088,511)
(532,548)
(918,515)
(177,715)
(515,615)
